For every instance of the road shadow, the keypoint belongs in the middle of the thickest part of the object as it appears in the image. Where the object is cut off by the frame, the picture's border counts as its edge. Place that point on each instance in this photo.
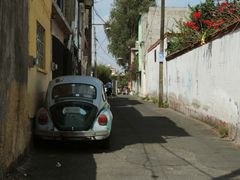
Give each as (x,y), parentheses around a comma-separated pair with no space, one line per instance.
(233,175)
(75,160)
(119,101)
(131,127)
(55,160)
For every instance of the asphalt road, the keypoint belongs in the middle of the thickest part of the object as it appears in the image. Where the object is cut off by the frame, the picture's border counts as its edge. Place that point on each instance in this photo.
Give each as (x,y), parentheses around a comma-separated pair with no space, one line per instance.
(147,143)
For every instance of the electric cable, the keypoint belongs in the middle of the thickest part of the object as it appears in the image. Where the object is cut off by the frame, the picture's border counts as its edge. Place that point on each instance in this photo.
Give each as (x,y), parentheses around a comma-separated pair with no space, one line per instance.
(99,15)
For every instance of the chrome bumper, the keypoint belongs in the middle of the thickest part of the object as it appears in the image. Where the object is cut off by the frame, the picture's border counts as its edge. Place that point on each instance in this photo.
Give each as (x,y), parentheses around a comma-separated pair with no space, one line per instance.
(72,135)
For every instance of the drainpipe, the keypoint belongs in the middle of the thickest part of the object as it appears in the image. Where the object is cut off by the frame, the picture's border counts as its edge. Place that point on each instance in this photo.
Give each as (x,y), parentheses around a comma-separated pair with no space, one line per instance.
(78,39)
(95,51)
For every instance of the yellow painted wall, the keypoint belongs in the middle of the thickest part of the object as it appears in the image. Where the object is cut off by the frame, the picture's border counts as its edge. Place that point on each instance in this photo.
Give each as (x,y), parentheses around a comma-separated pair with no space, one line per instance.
(39,11)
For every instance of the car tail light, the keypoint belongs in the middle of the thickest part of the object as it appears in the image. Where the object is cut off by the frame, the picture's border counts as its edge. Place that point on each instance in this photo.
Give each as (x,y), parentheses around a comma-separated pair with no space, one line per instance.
(43,117)
(102,119)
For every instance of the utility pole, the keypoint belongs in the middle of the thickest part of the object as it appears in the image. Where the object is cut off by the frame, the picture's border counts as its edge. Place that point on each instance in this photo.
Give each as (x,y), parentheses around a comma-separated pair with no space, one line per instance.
(95,48)
(160,91)
(95,51)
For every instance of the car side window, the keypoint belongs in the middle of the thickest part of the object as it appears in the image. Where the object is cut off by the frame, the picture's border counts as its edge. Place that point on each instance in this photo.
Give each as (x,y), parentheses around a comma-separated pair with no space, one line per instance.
(103,94)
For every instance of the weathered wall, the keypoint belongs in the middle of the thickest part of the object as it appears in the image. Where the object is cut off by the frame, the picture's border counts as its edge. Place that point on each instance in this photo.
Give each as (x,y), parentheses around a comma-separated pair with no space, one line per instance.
(14,124)
(152,70)
(204,82)
(149,33)
(141,51)
(150,38)
(57,32)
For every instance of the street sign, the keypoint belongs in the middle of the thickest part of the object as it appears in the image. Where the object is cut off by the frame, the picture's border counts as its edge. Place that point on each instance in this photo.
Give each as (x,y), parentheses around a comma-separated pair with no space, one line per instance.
(161,57)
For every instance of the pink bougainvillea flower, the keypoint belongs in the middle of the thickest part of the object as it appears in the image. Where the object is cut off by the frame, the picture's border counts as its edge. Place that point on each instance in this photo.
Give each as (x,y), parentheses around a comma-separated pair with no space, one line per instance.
(230,11)
(218,23)
(197,14)
(189,23)
(224,4)
(195,27)
(221,9)
(208,23)
(192,25)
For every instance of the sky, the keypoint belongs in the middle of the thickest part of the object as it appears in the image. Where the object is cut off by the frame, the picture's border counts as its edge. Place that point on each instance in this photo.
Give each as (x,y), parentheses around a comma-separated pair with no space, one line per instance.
(103,8)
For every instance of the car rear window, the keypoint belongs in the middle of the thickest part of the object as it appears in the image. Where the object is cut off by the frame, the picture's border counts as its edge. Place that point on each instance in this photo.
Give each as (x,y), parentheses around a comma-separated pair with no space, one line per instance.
(74,90)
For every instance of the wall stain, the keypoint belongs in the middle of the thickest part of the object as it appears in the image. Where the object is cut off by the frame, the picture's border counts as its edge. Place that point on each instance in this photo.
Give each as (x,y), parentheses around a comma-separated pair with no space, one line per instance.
(14,123)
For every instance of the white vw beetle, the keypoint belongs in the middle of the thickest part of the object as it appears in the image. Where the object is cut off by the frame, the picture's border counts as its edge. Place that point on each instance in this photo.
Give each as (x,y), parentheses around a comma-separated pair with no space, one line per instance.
(76,108)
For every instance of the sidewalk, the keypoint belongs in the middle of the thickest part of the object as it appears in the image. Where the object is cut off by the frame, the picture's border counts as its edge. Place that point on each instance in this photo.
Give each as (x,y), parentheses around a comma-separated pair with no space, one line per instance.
(204,149)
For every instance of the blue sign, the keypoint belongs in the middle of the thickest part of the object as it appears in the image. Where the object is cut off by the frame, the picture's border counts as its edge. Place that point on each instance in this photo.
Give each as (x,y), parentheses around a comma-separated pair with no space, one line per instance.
(161,57)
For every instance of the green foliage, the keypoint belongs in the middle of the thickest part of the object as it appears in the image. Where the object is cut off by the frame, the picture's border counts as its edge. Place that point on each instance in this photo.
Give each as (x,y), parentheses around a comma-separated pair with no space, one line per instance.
(104,73)
(204,20)
(122,27)
(155,100)
(164,104)
(223,131)
(222,128)
(134,69)
(123,80)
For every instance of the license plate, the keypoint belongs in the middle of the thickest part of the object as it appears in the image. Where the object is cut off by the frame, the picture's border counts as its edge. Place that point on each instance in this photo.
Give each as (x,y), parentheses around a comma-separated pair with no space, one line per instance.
(73,110)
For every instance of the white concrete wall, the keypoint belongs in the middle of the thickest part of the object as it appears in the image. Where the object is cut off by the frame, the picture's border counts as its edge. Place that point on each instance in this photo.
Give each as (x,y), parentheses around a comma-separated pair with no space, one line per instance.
(205,82)
(152,70)
(141,54)
(149,25)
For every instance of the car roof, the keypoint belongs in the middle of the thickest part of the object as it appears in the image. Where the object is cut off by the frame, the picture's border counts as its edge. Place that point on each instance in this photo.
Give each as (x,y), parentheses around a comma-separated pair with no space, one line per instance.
(76,79)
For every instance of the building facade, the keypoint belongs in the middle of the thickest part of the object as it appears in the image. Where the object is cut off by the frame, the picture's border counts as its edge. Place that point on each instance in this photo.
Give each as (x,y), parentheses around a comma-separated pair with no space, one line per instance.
(86,36)
(41,39)
(39,50)
(148,38)
(62,63)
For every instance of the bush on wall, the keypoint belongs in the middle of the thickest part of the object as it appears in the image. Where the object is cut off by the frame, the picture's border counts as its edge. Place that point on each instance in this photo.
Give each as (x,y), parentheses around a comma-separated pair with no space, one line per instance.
(204,20)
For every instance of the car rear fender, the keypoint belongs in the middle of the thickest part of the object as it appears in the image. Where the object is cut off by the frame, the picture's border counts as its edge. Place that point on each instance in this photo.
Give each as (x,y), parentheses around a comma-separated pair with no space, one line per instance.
(108,126)
(48,125)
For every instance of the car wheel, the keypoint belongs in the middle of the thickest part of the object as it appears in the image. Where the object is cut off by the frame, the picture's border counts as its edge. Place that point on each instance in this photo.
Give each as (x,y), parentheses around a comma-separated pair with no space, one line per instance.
(105,143)
(37,142)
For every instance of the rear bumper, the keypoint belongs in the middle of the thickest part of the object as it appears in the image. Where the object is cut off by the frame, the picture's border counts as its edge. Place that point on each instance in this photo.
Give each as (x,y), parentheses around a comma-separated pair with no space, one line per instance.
(72,135)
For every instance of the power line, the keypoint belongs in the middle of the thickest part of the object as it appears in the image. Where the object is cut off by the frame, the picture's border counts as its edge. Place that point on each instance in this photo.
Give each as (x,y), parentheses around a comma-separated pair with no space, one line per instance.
(107,58)
(104,40)
(100,45)
(99,15)
(98,1)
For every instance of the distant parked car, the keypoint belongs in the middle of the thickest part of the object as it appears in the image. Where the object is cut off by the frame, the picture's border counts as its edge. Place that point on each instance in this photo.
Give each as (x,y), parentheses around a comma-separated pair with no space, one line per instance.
(76,108)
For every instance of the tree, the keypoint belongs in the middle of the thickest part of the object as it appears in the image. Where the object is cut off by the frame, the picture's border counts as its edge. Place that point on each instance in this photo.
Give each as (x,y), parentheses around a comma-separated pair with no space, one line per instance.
(104,73)
(122,27)
(123,80)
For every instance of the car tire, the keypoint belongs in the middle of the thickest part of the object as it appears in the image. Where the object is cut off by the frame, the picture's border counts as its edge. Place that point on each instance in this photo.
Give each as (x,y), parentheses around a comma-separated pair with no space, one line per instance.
(105,143)
(37,142)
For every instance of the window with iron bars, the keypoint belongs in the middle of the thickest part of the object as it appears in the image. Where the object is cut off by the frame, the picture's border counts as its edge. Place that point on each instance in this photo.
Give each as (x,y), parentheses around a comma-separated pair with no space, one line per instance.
(40,46)
(61,4)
